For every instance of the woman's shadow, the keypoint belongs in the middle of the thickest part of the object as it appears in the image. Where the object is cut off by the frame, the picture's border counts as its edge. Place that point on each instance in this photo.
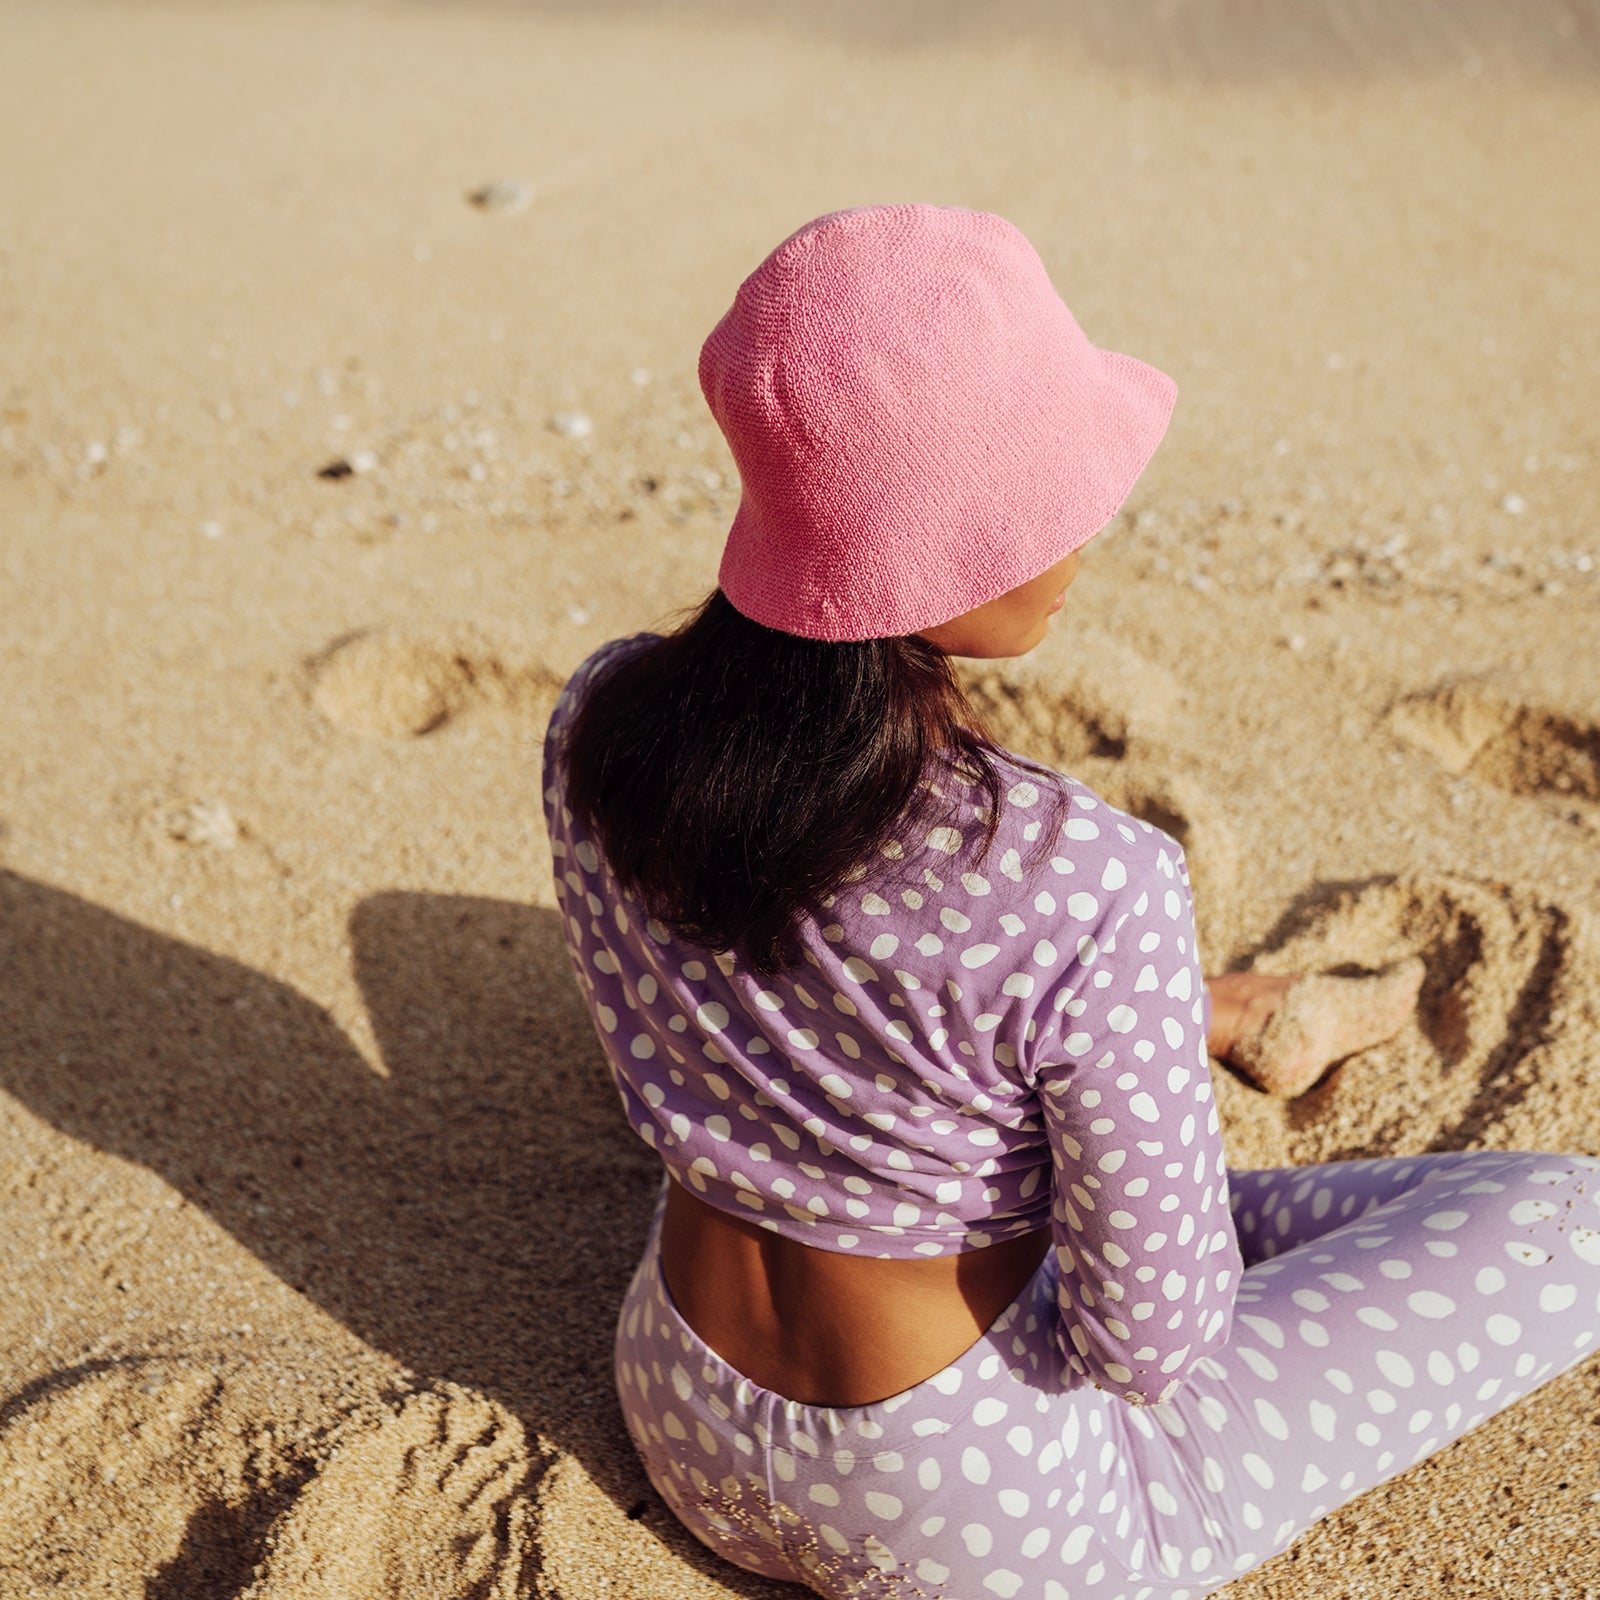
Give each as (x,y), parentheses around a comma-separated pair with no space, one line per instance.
(476,1213)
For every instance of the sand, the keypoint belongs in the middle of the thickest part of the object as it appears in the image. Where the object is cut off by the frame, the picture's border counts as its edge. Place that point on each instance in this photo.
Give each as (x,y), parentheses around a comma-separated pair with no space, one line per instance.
(318,476)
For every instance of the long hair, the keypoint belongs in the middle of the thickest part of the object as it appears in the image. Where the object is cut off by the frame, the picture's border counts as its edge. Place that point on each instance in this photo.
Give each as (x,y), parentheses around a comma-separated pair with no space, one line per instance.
(735,777)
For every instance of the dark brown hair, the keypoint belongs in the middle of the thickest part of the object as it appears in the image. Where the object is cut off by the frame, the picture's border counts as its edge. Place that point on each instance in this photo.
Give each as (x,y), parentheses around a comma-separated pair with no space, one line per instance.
(735,777)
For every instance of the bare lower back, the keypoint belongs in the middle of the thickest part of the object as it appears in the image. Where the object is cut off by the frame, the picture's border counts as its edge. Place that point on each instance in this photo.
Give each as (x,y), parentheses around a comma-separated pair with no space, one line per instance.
(827,1328)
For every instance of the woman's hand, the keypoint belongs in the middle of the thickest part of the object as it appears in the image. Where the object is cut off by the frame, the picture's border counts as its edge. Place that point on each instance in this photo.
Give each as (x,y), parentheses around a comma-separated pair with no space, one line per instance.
(1242,1003)
(1284,1033)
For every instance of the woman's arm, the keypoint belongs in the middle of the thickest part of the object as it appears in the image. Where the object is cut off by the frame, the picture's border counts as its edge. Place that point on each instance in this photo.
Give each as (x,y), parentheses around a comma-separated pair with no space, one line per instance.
(1149,1259)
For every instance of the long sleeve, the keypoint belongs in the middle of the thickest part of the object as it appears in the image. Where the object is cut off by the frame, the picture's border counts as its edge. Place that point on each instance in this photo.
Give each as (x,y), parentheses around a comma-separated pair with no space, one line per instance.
(1148,1255)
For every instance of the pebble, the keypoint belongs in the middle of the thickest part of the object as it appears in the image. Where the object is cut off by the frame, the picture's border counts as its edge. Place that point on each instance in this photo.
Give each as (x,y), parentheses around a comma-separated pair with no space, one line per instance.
(211,530)
(640,377)
(364,461)
(1515,504)
(206,822)
(577,615)
(507,195)
(571,424)
(336,469)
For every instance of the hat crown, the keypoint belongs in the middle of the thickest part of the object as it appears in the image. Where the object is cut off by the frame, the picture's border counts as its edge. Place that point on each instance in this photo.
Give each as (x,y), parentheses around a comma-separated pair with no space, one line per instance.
(918,422)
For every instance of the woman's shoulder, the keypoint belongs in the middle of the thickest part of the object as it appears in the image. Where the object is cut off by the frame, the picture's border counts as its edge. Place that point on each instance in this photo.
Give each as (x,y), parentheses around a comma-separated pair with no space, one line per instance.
(1051,825)
(1060,857)
(613,653)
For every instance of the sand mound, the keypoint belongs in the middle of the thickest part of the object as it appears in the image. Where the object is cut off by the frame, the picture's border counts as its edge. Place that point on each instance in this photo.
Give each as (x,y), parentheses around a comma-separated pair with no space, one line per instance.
(389,684)
(1063,703)
(1504,1034)
(1525,749)
(238,1475)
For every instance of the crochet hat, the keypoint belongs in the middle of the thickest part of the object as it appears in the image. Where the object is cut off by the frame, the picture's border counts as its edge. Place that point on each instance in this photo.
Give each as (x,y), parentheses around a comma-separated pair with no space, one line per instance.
(919,423)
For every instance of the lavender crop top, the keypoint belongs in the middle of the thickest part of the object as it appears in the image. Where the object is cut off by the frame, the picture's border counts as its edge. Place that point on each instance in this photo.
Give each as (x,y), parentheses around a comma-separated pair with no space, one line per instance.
(970,1049)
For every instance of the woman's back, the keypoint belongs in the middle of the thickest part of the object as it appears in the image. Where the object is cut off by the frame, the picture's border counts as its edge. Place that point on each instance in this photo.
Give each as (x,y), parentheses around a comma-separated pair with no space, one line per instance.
(964,1021)
(827,1328)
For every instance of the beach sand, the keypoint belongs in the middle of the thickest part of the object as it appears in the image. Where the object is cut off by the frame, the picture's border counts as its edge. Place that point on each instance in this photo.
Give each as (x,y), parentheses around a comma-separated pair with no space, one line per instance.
(317,1204)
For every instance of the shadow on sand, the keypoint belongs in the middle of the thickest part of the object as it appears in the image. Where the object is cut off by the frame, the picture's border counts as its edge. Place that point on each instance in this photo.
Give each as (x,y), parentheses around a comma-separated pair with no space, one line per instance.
(476,1214)
(1182,41)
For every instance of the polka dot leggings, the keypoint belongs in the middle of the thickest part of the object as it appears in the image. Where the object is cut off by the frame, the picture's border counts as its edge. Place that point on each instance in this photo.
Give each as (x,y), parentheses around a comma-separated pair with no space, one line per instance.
(1386,1308)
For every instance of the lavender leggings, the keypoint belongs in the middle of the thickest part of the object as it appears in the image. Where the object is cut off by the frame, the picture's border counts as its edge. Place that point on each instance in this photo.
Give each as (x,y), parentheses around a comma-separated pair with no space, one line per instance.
(1387,1307)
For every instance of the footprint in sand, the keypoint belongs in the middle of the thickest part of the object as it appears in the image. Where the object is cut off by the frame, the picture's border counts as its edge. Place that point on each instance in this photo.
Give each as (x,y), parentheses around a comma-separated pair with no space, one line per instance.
(232,1476)
(1503,1039)
(392,684)
(1524,749)
(1101,712)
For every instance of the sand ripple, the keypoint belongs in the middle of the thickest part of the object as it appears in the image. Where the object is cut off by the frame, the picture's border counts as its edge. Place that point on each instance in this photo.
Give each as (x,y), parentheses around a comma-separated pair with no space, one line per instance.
(238,1475)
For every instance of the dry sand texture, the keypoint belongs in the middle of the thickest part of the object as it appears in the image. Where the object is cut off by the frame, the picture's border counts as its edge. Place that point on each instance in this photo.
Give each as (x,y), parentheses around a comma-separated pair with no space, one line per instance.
(316,1203)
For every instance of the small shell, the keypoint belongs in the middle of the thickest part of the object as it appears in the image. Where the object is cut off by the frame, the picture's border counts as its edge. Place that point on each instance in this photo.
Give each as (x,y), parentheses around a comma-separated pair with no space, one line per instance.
(506,195)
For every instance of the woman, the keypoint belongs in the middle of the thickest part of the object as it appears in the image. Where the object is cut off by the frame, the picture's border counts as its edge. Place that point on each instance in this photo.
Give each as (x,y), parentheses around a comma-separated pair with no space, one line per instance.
(950,1292)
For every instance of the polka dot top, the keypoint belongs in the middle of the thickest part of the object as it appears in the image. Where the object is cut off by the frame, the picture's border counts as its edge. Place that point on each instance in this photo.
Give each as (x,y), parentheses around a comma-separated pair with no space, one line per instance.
(970,1049)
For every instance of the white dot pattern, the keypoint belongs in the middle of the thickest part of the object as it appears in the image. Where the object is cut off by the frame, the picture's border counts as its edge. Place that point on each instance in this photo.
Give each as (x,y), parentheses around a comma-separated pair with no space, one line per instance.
(1009,1473)
(972,1049)
(961,1057)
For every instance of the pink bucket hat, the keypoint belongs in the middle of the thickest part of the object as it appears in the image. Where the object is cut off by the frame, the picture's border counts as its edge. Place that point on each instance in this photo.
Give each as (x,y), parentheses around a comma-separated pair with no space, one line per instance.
(919,423)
